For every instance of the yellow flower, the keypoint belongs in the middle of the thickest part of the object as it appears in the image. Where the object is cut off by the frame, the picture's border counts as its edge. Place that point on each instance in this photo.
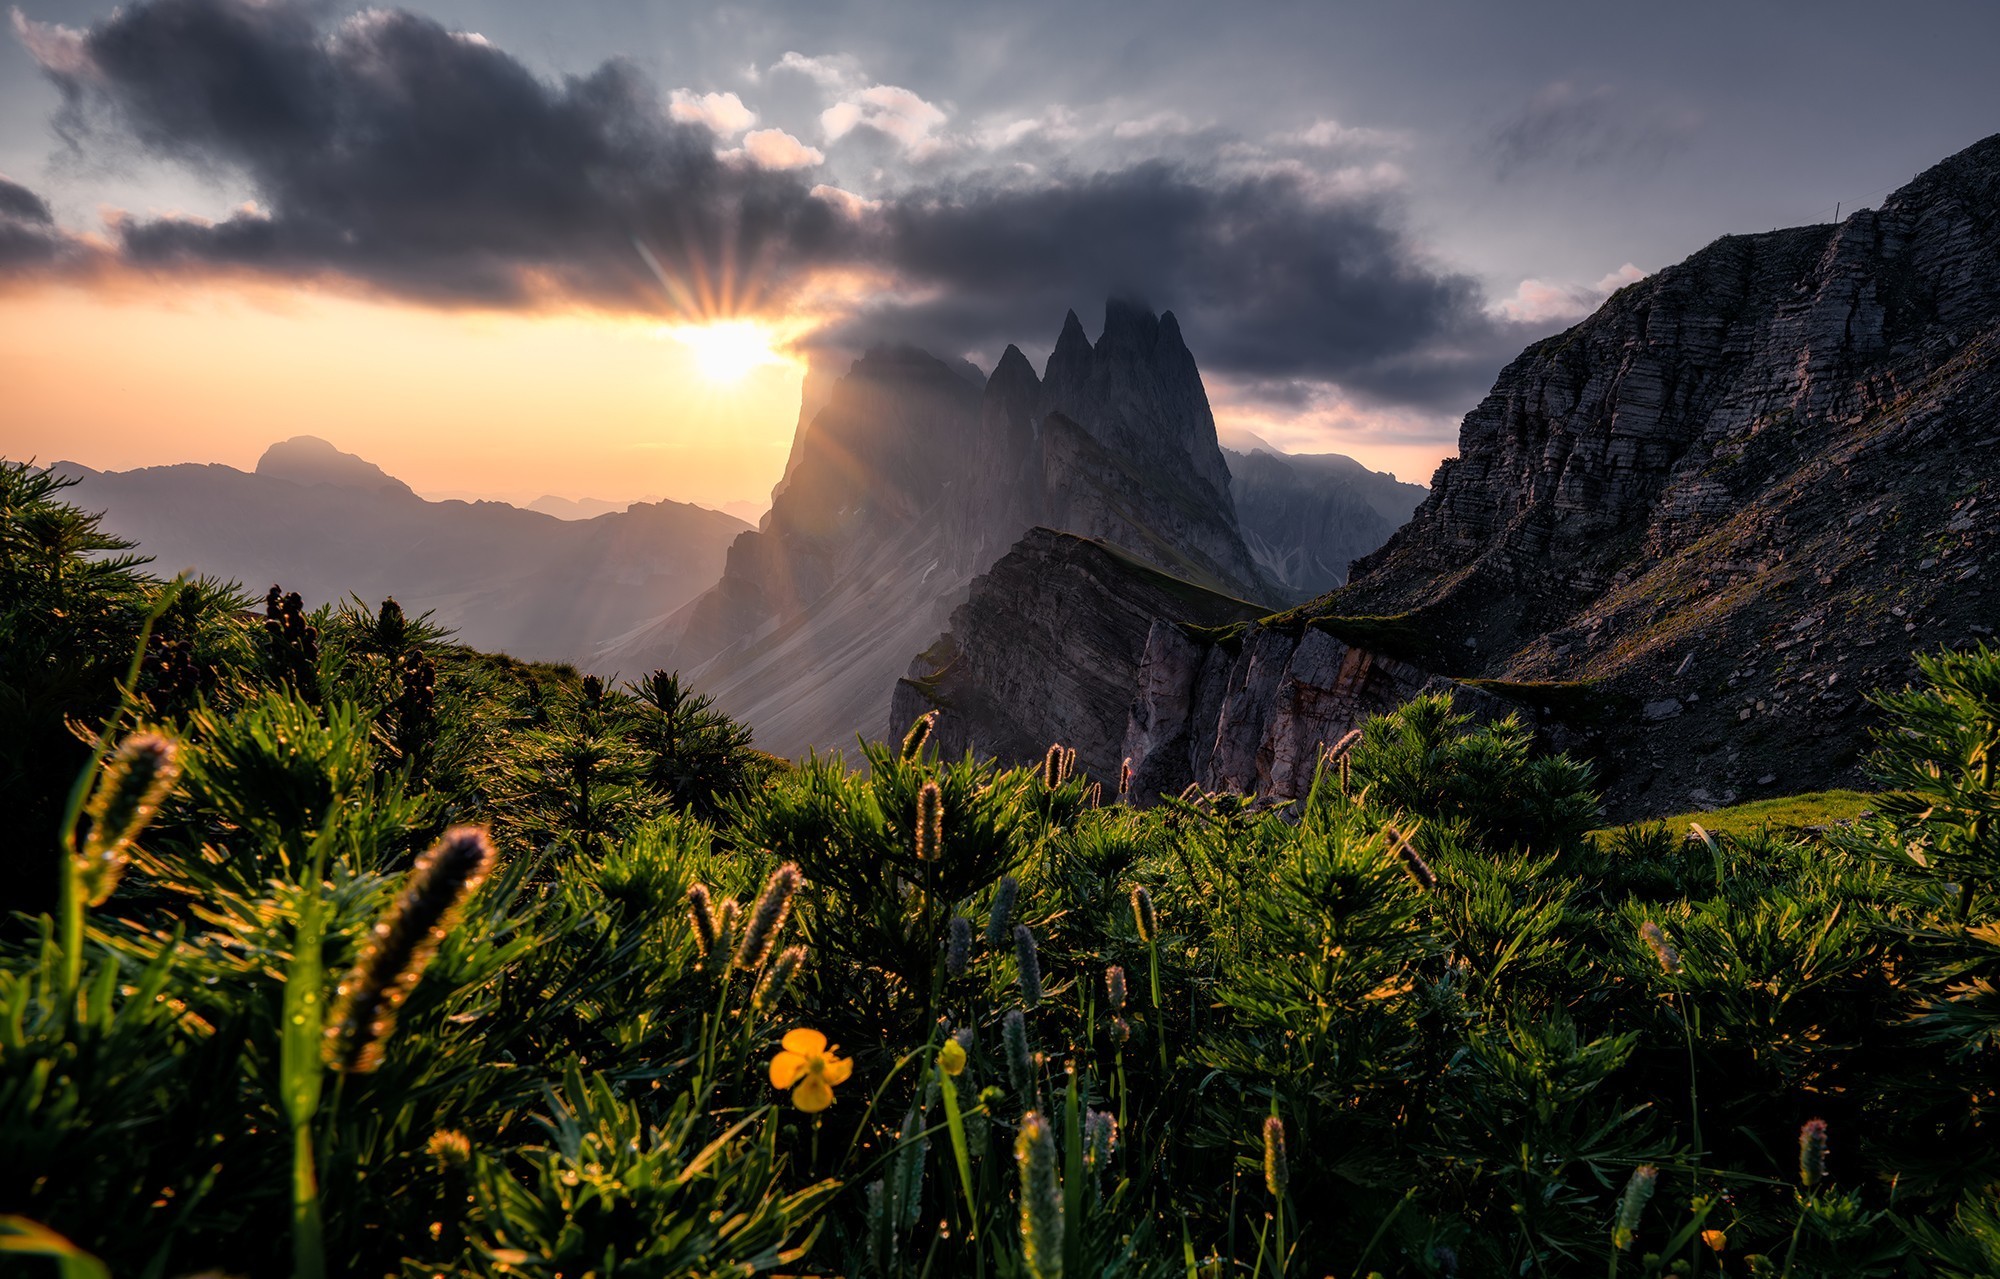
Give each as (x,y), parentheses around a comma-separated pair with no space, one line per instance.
(809,1068)
(1715,1239)
(951,1058)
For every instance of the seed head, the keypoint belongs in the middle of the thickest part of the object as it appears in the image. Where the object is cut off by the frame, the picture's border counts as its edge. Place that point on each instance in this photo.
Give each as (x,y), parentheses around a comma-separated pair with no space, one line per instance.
(1631,1204)
(958,946)
(930,822)
(1100,1138)
(1125,778)
(701,918)
(1041,1198)
(779,977)
(402,944)
(1812,1153)
(1114,987)
(1340,748)
(919,734)
(1414,865)
(1277,1172)
(1029,965)
(1052,762)
(726,919)
(1020,1056)
(128,795)
(768,916)
(1000,919)
(1121,1031)
(1663,950)
(1143,917)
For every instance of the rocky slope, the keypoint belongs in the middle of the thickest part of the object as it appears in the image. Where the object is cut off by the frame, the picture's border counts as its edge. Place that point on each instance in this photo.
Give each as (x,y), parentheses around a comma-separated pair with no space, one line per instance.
(327,523)
(1733,499)
(1305,517)
(915,476)
(1046,649)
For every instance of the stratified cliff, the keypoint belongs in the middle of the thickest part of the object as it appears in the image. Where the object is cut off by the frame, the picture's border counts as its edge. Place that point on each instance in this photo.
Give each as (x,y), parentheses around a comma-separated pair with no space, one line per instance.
(1740,494)
(1046,649)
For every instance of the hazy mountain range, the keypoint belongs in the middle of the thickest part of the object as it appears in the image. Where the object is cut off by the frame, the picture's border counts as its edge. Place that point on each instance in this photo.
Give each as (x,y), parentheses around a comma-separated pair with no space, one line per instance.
(326,523)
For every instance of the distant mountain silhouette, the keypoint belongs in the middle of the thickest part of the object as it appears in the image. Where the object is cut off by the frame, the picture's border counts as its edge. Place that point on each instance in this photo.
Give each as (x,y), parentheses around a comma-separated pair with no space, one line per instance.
(1306,516)
(326,523)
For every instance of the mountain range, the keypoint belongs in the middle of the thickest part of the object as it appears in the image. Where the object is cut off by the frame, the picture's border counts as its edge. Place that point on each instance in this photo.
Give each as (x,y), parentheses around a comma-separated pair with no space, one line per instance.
(326,524)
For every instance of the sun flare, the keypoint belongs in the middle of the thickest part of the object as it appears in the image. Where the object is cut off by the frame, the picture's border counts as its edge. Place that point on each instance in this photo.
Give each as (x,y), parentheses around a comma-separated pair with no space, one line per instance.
(727,350)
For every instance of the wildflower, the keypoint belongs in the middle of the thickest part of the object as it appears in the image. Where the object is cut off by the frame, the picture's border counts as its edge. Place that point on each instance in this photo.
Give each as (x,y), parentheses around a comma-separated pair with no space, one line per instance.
(1041,1198)
(1632,1203)
(1029,965)
(1663,950)
(951,1058)
(701,918)
(1114,986)
(920,733)
(767,917)
(1100,1137)
(1020,1057)
(1000,919)
(1277,1172)
(401,946)
(1812,1153)
(1414,865)
(1121,1030)
(782,970)
(1716,1240)
(139,777)
(810,1069)
(450,1148)
(1143,917)
(930,822)
(958,946)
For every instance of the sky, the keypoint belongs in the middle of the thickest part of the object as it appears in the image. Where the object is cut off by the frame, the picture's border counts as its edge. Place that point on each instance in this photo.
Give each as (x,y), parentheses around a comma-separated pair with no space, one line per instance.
(506,247)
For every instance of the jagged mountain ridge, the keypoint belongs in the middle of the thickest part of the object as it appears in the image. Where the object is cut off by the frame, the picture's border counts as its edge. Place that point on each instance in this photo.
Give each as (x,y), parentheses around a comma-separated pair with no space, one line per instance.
(1734,498)
(327,524)
(912,479)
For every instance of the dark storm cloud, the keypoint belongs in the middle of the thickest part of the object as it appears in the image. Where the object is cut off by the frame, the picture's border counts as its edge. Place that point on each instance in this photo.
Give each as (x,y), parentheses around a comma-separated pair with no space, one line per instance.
(431,165)
(1584,127)
(29,238)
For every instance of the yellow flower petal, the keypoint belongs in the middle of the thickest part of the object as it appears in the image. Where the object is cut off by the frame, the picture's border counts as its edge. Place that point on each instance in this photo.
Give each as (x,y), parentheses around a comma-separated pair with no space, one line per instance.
(786,1069)
(812,1095)
(805,1042)
(838,1069)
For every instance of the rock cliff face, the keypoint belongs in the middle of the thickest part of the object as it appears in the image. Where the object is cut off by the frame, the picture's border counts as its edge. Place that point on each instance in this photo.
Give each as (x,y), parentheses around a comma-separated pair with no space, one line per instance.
(915,477)
(1739,493)
(1306,517)
(1047,648)
(1250,708)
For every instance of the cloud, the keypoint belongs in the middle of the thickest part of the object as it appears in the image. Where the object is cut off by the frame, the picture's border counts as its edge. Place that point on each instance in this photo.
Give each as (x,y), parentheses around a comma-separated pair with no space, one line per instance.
(723,113)
(1584,127)
(1332,135)
(830,72)
(388,153)
(29,237)
(776,149)
(1541,301)
(887,109)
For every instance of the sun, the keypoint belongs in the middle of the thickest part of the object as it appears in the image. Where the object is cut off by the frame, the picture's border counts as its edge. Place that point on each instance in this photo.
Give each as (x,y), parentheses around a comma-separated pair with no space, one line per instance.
(727,350)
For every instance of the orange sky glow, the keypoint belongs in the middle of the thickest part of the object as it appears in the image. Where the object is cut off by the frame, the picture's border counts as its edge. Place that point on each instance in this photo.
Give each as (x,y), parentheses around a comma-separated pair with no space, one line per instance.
(572,403)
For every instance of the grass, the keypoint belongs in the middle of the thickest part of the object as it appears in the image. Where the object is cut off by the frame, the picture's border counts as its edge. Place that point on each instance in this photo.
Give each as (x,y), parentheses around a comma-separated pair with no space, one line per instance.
(1781,815)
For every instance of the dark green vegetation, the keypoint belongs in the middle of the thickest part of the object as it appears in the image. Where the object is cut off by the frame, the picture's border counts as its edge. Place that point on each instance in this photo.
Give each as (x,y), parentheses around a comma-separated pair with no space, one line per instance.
(1423,1025)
